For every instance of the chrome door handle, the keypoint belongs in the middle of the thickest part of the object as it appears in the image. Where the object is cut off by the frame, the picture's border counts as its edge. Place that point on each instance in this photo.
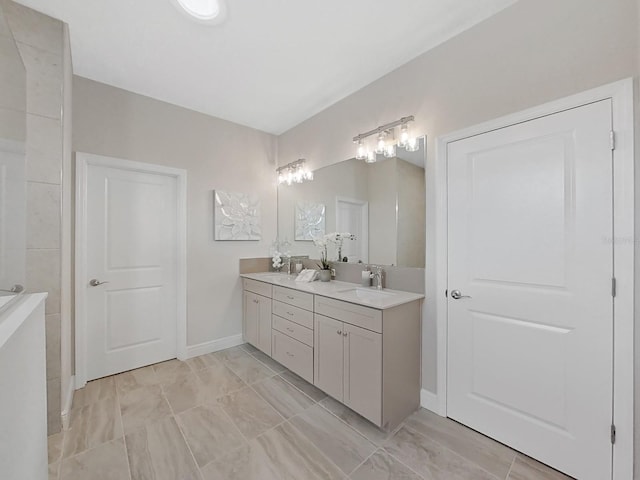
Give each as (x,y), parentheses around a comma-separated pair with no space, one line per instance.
(95,282)
(457,295)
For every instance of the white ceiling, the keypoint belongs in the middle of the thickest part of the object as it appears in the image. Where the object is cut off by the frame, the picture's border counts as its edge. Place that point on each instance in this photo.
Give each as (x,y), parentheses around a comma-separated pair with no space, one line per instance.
(271,64)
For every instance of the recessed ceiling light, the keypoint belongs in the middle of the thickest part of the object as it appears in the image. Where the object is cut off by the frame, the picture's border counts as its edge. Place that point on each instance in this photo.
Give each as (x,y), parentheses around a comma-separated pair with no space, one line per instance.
(204,11)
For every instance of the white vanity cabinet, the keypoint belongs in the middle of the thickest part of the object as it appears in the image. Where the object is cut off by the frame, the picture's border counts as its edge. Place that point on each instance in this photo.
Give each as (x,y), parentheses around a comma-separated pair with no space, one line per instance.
(256,325)
(365,357)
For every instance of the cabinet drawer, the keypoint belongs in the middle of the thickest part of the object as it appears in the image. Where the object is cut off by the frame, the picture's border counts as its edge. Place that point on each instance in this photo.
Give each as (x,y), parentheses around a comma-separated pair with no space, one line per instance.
(254,286)
(294,355)
(293,297)
(294,314)
(357,315)
(293,330)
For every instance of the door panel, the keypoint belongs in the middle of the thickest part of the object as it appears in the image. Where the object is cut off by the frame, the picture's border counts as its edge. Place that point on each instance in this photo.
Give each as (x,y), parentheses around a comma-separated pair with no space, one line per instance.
(530,352)
(264,324)
(363,372)
(251,315)
(132,247)
(328,356)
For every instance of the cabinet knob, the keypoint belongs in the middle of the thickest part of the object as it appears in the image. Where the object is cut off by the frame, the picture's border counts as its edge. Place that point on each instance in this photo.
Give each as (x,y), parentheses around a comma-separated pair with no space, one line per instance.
(256,301)
(344,334)
(339,332)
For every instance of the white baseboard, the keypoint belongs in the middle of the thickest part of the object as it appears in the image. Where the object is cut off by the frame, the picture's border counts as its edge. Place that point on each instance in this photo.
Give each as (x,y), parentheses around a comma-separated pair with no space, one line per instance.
(429,400)
(68,403)
(214,345)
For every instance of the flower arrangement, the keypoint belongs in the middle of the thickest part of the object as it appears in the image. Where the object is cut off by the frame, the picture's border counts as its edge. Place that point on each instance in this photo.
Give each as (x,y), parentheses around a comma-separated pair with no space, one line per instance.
(276,260)
(335,238)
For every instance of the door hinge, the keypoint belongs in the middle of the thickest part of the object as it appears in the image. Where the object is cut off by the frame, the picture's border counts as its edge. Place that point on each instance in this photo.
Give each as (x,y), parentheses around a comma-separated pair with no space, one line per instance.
(613,287)
(612,139)
(613,434)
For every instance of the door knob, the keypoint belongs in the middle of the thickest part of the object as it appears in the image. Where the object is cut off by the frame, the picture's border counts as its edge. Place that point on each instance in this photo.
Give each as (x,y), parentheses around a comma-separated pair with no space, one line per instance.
(457,295)
(95,282)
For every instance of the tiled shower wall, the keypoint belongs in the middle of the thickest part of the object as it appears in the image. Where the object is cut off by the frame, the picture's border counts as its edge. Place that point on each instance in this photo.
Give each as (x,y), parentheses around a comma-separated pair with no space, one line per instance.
(40,42)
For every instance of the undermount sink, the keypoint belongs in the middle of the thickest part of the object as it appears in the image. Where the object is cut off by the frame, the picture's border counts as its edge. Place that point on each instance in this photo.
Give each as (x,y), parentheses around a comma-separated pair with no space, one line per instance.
(367,293)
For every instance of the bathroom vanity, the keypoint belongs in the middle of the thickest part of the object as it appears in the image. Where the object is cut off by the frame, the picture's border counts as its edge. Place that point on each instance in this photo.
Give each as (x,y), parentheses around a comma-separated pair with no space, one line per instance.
(359,345)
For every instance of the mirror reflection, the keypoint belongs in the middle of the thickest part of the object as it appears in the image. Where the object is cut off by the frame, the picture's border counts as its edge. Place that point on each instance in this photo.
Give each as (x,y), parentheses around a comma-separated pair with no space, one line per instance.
(381,205)
(12,167)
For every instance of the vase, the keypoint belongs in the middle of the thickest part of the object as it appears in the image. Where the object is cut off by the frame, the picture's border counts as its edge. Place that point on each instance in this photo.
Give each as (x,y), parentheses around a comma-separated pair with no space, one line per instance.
(324,275)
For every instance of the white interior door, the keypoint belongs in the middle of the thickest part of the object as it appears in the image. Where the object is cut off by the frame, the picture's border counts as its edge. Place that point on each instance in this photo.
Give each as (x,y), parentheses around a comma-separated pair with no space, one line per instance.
(352,216)
(530,350)
(132,250)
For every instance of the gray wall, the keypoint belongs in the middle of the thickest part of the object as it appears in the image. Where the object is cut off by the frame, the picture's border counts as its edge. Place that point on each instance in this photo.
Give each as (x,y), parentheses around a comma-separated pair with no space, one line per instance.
(217,155)
(530,53)
(40,41)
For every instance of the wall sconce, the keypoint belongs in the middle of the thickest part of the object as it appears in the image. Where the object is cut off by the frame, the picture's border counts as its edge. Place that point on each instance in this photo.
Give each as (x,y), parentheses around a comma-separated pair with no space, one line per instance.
(294,172)
(385,140)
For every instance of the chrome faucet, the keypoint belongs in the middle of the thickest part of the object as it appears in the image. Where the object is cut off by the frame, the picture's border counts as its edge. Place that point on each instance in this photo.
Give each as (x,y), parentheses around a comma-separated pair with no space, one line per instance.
(376,275)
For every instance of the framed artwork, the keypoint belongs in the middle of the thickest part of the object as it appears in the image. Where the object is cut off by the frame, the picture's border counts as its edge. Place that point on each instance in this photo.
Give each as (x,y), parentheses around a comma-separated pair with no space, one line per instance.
(236,216)
(309,220)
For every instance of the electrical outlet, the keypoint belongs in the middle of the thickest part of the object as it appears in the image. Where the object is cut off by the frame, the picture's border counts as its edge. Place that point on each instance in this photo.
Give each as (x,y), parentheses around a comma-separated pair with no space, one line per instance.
(333,272)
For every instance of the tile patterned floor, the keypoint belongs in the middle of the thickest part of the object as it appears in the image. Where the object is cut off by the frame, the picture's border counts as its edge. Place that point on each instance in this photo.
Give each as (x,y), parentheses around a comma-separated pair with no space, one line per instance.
(238,415)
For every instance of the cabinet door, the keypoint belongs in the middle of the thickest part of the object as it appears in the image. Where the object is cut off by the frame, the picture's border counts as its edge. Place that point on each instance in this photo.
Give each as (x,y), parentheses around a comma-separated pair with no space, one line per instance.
(327,354)
(250,318)
(363,372)
(264,324)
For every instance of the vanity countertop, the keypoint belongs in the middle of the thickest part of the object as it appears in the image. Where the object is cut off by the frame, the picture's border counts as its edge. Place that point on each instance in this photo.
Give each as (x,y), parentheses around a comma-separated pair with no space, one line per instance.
(347,292)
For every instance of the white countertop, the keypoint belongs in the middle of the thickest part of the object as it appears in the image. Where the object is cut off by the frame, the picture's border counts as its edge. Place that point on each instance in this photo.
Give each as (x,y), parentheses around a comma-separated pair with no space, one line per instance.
(11,320)
(347,292)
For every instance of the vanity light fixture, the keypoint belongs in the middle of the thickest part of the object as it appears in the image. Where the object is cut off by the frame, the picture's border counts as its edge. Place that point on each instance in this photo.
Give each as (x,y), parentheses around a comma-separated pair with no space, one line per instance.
(204,11)
(385,140)
(294,172)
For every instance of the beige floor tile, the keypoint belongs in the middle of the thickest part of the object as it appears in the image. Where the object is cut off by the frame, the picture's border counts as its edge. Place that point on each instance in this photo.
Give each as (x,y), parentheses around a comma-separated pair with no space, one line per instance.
(248,347)
(54,446)
(481,450)
(268,361)
(304,386)
(284,397)
(158,451)
(95,391)
(248,368)
(106,462)
(186,392)
(341,444)
(382,466)
(92,425)
(293,456)
(219,380)
(143,405)
(525,468)
(209,433)
(203,361)
(431,459)
(355,421)
(169,372)
(54,471)
(230,353)
(246,463)
(250,413)
(127,381)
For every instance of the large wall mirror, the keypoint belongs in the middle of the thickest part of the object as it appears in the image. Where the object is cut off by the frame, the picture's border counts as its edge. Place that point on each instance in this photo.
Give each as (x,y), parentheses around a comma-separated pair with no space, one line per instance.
(382,204)
(12,167)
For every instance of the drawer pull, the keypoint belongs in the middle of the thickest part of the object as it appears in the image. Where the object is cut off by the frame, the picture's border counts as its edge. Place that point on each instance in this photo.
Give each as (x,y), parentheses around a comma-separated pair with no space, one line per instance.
(289,313)
(339,332)
(290,354)
(290,297)
(289,329)
(256,301)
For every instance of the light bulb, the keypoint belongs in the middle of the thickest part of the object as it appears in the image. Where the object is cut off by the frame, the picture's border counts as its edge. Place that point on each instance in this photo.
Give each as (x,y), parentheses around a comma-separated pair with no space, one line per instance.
(404,135)
(381,143)
(371,157)
(390,151)
(412,145)
(361,152)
